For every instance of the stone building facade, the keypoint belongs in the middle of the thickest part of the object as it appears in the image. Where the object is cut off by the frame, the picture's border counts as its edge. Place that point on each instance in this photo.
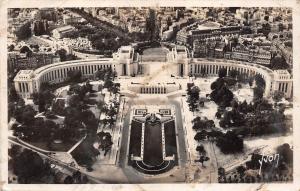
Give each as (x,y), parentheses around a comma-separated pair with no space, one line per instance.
(125,63)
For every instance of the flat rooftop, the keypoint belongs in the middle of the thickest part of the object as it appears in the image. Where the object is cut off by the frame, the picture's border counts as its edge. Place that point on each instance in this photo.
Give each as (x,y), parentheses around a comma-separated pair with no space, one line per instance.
(156,51)
(282,72)
(180,49)
(24,75)
(209,25)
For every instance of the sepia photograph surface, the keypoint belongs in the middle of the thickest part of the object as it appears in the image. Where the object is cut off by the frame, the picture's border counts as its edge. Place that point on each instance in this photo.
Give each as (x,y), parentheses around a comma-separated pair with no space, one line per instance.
(150,95)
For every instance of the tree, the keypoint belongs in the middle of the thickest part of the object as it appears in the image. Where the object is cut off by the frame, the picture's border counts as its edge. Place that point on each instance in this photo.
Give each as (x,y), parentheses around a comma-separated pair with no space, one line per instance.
(234,104)
(151,24)
(244,107)
(241,170)
(24,31)
(194,93)
(72,122)
(42,99)
(278,95)
(200,136)
(33,132)
(100,74)
(11,48)
(259,81)
(262,105)
(201,150)
(214,134)
(254,162)
(271,121)
(49,130)
(225,122)
(111,113)
(221,172)
(58,107)
(29,166)
(14,151)
(45,86)
(25,49)
(89,119)
(278,63)
(69,180)
(35,47)
(233,73)
(222,96)
(218,114)
(77,177)
(243,78)
(21,103)
(108,83)
(202,124)
(13,95)
(105,141)
(62,53)
(116,88)
(25,114)
(232,118)
(197,123)
(40,27)
(222,72)
(99,45)
(100,105)
(286,154)
(230,143)
(258,93)
(203,159)
(193,96)
(74,76)
(11,109)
